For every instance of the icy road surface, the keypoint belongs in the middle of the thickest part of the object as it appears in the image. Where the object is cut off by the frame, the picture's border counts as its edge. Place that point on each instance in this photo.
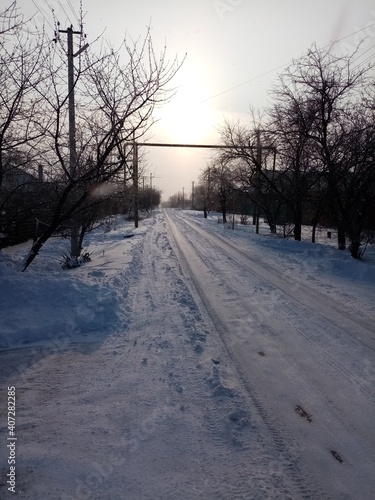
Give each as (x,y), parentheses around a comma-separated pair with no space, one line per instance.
(207,367)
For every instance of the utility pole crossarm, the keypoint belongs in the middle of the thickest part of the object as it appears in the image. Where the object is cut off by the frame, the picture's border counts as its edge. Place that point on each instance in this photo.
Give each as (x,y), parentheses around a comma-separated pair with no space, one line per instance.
(82,49)
(203,146)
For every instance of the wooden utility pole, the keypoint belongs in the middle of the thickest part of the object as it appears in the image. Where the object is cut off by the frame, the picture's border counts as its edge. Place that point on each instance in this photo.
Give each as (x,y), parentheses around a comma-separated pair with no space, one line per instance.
(259,167)
(192,195)
(135,184)
(125,166)
(150,191)
(74,248)
(233,212)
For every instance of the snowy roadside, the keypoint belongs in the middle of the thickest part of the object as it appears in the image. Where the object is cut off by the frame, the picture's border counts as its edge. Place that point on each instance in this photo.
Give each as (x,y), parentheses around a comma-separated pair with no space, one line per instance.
(51,307)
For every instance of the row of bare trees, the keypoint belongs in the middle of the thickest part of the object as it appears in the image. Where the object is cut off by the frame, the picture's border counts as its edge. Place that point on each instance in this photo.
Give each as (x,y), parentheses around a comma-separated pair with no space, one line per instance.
(116,92)
(311,157)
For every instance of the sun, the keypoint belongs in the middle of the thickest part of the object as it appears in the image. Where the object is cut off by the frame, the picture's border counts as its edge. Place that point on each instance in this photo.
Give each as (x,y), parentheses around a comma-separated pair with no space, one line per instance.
(186,119)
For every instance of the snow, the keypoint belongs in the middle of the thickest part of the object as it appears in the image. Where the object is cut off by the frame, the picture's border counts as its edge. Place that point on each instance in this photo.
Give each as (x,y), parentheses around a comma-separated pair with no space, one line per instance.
(189,361)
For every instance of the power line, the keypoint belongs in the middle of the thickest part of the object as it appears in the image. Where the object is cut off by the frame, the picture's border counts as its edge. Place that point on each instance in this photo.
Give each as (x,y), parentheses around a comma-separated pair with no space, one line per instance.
(282,66)
(243,83)
(365,61)
(351,34)
(44,17)
(73,10)
(68,18)
(363,53)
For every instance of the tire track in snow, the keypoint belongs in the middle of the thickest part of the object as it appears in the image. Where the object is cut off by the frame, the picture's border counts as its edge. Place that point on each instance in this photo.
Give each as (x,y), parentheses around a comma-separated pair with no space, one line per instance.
(309,299)
(331,417)
(220,417)
(351,348)
(239,449)
(307,392)
(284,447)
(325,347)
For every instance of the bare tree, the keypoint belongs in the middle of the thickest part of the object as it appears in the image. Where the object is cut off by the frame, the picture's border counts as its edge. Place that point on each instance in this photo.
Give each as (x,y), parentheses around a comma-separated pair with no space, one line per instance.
(203,192)
(354,190)
(322,129)
(220,177)
(115,100)
(10,20)
(322,90)
(22,123)
(292,119)
(149,198)
(251,154)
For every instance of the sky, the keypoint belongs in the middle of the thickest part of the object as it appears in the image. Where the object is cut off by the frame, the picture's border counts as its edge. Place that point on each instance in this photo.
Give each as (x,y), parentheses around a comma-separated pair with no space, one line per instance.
(234,49)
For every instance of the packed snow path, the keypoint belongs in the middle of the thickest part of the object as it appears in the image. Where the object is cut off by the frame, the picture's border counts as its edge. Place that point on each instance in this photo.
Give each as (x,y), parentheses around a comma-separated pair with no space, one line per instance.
(295,349)
(225,375)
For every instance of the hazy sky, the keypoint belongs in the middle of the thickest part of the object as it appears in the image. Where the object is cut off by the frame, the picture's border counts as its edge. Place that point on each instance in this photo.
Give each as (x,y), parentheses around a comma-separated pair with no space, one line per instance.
(235,49)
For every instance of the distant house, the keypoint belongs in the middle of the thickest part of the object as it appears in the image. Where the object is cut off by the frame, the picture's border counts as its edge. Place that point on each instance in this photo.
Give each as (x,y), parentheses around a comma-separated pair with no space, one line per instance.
(15,177)
(23,201)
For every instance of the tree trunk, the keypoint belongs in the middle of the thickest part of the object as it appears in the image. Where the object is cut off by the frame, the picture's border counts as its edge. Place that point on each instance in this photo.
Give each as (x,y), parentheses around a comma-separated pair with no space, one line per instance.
(298,222)
(297,231)
(37,245)
(271,222)
(355,243)
(81,237)
(354,249)
(341,238)
(314,224)
(224,211)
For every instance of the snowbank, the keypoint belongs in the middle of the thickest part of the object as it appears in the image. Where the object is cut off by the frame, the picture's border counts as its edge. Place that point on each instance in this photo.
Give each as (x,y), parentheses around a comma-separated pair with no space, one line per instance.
(49,305)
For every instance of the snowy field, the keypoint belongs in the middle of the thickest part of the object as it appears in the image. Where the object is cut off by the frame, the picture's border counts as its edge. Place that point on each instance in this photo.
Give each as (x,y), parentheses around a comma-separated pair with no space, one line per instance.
(188,361)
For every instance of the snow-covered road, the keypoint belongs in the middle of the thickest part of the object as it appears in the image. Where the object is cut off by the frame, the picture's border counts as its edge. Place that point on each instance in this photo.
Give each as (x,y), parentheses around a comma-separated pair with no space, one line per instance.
(198,365)
(304,358)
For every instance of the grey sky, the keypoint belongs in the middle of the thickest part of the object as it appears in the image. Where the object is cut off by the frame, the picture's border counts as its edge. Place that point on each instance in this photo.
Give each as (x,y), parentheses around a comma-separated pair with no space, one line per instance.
(228,43)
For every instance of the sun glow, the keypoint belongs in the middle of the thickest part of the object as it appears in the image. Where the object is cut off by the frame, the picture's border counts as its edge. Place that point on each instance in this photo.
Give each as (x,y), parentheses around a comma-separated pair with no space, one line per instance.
(185,119)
